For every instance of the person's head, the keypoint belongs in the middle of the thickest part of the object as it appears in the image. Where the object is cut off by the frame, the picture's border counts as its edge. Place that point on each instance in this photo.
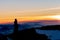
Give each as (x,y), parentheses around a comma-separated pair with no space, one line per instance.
(15,21)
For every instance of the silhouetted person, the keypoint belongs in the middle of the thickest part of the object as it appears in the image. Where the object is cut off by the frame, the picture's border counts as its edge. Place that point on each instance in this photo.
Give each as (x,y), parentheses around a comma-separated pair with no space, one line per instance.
(15,26)
(15,32)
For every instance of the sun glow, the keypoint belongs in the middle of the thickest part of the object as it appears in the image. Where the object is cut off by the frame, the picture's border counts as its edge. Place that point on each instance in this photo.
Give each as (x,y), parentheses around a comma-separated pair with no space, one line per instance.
(56,17)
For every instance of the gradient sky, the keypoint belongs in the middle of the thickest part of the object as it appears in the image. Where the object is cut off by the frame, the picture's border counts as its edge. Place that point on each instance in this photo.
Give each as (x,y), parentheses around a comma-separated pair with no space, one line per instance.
(10,9)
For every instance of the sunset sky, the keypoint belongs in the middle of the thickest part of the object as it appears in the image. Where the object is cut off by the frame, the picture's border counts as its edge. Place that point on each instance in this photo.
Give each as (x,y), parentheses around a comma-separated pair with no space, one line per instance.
(25,10)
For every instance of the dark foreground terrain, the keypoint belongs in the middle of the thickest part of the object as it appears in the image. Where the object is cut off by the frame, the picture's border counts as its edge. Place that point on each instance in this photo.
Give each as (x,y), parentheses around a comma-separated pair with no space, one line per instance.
(28,34)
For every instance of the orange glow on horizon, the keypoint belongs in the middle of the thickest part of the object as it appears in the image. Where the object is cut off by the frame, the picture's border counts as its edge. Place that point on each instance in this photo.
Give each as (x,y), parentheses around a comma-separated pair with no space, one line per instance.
(26,19)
